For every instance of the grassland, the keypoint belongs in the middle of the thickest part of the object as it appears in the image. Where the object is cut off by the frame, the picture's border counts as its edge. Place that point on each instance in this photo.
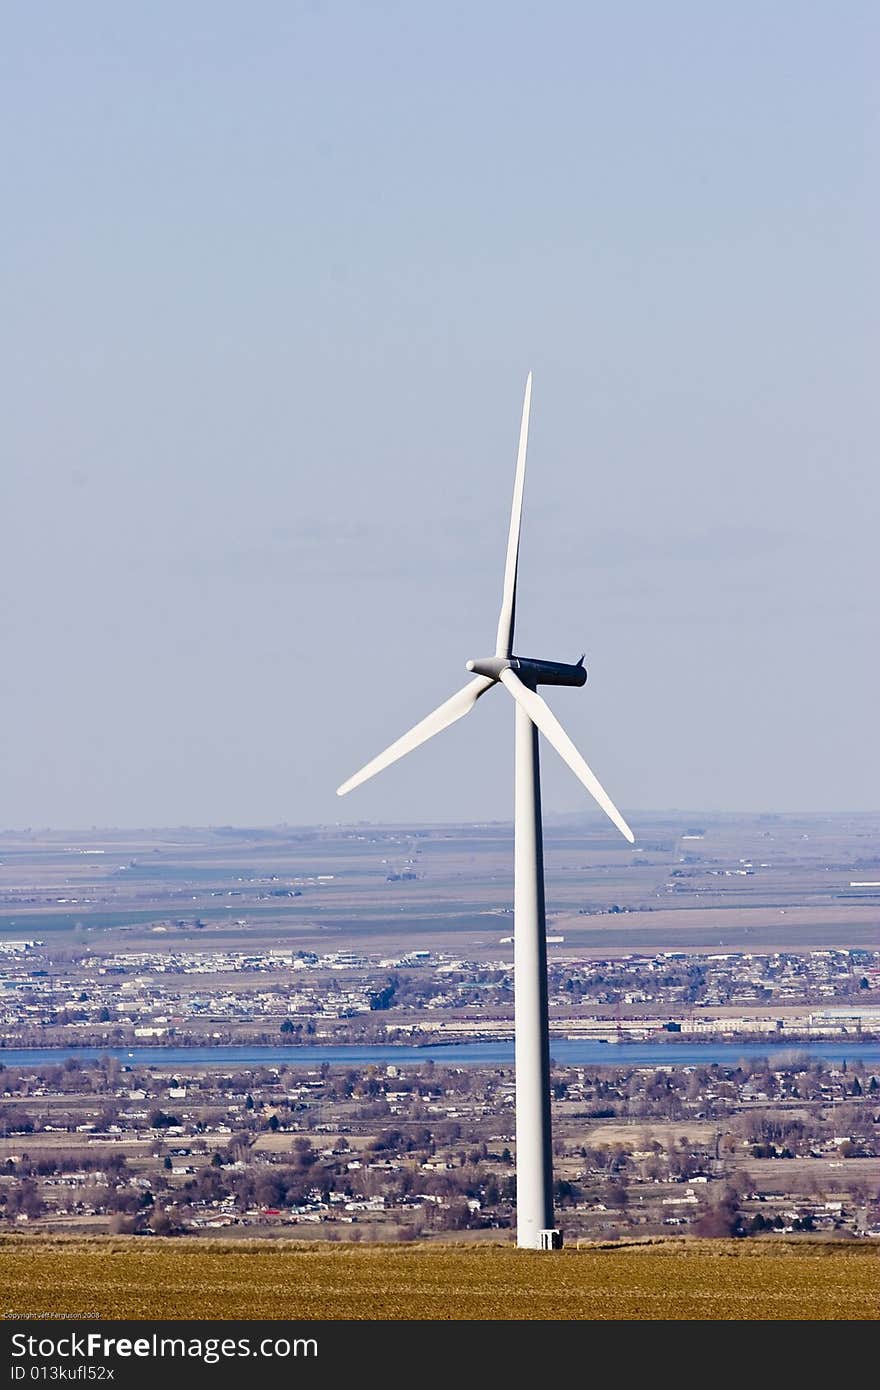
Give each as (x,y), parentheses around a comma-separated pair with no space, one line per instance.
(675,1280)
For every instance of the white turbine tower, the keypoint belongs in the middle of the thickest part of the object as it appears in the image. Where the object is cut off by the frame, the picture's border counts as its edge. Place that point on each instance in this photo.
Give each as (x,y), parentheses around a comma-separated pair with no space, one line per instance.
(520,676)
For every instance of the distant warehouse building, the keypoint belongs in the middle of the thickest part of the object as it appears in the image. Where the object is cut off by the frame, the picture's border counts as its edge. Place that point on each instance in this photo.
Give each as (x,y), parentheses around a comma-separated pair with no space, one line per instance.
(853,1018)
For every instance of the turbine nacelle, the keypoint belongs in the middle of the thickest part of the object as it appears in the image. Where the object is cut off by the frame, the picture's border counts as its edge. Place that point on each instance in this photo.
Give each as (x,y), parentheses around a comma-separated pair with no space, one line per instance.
(531,670)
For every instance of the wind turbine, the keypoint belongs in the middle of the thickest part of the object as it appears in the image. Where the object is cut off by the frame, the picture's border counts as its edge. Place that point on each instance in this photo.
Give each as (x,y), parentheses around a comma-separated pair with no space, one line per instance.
(520,676)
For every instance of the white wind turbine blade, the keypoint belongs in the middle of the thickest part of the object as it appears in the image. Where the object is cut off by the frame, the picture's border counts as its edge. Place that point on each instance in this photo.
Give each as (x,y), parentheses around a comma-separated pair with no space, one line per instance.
(504,642)
(434,723)
(542,715)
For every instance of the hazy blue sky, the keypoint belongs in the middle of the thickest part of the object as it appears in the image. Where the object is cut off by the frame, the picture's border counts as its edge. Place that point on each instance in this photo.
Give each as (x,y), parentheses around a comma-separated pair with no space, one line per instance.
(272,278)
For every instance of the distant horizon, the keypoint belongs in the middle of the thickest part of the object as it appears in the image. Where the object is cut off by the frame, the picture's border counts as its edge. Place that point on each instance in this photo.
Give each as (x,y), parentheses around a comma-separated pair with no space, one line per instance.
(549,816)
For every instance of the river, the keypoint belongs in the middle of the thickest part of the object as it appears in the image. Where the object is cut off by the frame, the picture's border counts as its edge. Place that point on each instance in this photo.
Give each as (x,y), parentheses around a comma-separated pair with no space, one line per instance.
(571,1052)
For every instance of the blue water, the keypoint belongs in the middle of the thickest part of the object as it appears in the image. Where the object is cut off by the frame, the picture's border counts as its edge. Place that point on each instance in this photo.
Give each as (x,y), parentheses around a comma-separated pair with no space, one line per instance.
(562,1050)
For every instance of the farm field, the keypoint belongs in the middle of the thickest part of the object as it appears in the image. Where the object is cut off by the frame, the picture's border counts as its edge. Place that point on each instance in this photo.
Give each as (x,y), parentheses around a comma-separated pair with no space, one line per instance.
(683,1280)
(448,887)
